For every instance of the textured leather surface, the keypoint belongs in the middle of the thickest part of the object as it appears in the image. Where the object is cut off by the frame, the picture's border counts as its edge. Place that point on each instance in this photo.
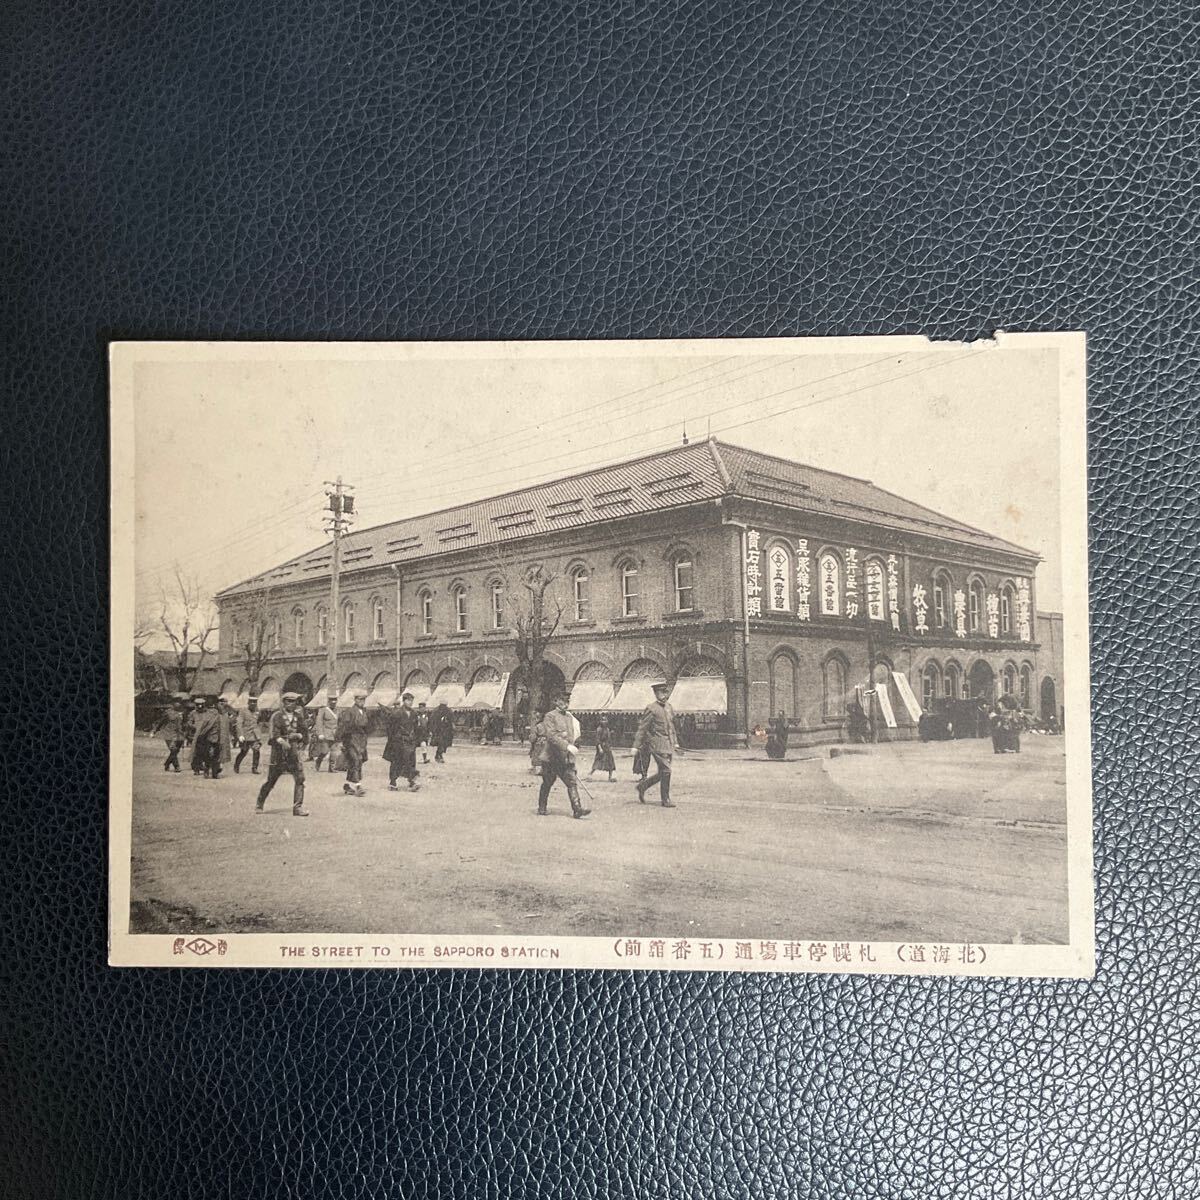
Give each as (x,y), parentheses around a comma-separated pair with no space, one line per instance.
(434,170)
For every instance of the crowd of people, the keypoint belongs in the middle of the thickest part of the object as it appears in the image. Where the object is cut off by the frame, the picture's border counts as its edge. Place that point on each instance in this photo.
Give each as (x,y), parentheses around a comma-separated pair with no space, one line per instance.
(213,729)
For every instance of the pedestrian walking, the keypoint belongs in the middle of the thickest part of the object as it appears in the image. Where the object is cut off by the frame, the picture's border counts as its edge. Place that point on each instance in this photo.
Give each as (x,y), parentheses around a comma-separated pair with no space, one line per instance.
(287,736)
(325,733)
(657,736)
(777,739)
(558,757)
(221,739)
(423,731)
(171,724)
(352,733)
(190,720)
(537,739)
(249,741)
(604,760)
(441,729)
(204,735)
(400,751)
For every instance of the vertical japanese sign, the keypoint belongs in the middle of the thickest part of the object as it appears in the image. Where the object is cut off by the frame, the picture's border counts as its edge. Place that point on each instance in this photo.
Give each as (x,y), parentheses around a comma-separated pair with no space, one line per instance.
(778,560)
(803,581)
(851,582)
(1024,624)
(893,591)
(960,613)
(875,589)
(993,614)
(753,575)
(920,608)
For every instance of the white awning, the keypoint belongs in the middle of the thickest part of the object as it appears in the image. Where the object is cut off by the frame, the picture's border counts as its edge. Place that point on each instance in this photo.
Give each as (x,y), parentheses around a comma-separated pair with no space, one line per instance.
(484,693)
(242,700)
(452,694)
(318,696)
(382,697)
(699,694)
(229,692)
(632,696)
(269,697)
(420,693)
(591,695)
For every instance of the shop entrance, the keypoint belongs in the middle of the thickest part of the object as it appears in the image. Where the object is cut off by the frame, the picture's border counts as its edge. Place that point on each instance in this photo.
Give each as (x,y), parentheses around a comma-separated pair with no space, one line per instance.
(982,681)
(1049,699)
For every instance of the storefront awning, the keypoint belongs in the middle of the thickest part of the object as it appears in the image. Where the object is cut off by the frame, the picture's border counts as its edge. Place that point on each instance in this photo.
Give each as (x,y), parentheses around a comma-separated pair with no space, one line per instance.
(318,696)
(485,693)
(699,694)
(383,697)
(420,693)
(242,700)
(591,695)
(346,699)
(453,694)
(632,696)
(229,692)
(269,698)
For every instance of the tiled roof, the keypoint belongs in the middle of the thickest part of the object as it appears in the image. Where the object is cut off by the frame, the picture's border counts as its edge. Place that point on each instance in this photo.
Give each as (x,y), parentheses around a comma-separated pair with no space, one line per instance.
(667,479)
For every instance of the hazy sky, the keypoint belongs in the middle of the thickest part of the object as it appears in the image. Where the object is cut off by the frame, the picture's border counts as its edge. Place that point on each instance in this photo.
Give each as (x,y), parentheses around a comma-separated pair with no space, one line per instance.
(231,454)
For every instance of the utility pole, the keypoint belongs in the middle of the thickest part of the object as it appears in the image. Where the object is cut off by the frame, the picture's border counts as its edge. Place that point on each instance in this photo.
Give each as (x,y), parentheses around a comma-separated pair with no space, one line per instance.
(341,508)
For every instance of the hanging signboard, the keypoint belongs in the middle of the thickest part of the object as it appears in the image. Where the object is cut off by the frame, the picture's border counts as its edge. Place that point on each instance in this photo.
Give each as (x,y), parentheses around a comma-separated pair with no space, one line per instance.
(803,581)
(851,583)
(885,705)
(907,695)
(893,589)
(920,608)
(753,575)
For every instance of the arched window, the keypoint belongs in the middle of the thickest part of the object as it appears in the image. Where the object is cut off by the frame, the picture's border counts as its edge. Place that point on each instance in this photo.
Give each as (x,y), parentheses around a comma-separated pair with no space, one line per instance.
(943,590)
(779,565)
(1026,686)
(377,620)
(833,677)
(876,590)
(1006,610)
(298,628)
(1010,679)
(322,626)
(460,609)
(784,689)
(975,607)
(581,593)
(684,584)
(348,621)
(276,633)
(426,599)
(629,590)
(497,594)
(953,681)
(931,684)
(831,585)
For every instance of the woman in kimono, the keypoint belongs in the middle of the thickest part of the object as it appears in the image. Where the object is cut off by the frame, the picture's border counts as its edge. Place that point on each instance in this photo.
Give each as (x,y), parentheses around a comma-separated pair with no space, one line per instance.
(604,756)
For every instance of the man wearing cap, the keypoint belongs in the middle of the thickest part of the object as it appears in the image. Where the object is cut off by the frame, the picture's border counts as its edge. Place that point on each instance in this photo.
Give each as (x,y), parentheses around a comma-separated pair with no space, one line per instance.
(171,724)
(352,733)
(401,748)
(423,731)
(204,734)
(557,757)
(325,731)
(248,739)
(658,737)
(287,736)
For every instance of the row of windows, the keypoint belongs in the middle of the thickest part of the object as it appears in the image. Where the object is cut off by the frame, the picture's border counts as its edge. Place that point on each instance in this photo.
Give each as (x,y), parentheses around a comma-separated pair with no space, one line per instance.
(682,571)
(952,684)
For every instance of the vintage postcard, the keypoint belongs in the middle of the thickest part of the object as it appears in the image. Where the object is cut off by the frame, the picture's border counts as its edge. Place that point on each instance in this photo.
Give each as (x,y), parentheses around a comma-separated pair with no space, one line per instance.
(723,655)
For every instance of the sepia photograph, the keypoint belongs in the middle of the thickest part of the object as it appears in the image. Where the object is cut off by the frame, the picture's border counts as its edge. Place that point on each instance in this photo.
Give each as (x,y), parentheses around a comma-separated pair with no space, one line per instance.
(759,654)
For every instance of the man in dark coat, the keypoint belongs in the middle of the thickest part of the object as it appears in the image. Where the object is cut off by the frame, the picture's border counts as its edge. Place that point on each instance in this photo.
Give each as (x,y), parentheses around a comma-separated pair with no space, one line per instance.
(558,757)
(441,729)
(423,730)
(287,736)
(171,724)
(352,733)
(401,748)
(657,735)
(204,737)
(248,738)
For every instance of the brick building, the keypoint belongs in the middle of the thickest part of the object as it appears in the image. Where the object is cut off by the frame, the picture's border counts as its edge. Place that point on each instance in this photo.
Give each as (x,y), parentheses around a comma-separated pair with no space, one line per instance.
(755,584)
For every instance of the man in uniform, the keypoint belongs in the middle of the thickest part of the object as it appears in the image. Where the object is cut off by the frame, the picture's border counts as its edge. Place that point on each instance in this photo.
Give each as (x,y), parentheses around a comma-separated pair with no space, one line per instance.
(352,733)
(171,724)
(423,731)
(325,732)
(204,736)
(658,737)
(287,737)
(558,757)
(248,739)
(401,748)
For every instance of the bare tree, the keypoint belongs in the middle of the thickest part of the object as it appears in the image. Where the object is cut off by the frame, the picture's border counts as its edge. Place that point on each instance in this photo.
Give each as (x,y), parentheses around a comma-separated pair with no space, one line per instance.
(536,618)
(189,619)
(255,638)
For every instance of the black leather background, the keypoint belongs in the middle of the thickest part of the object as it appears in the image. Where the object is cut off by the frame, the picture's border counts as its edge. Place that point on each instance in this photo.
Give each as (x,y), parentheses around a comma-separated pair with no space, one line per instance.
(424,169)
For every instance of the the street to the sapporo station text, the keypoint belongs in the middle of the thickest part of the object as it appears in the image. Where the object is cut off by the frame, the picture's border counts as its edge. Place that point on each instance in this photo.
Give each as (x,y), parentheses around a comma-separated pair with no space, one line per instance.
(940,841)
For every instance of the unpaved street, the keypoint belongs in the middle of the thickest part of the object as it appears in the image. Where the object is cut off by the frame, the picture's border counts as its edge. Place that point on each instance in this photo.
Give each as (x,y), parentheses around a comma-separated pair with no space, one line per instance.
(944,841)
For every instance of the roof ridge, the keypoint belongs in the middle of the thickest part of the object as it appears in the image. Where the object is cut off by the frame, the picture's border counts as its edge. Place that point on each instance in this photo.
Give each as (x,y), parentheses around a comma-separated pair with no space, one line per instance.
(715,447)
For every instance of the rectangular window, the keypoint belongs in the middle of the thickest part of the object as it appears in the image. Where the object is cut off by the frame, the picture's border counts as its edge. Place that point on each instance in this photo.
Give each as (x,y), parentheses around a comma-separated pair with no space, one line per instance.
(629,592)
(1005,614)
(349,622)
(299,630)
(683,585)
(974,611)
(583,604)
(460,611)
(939,605)
(378,613)
(322,628)
(497,607)
(427,614)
